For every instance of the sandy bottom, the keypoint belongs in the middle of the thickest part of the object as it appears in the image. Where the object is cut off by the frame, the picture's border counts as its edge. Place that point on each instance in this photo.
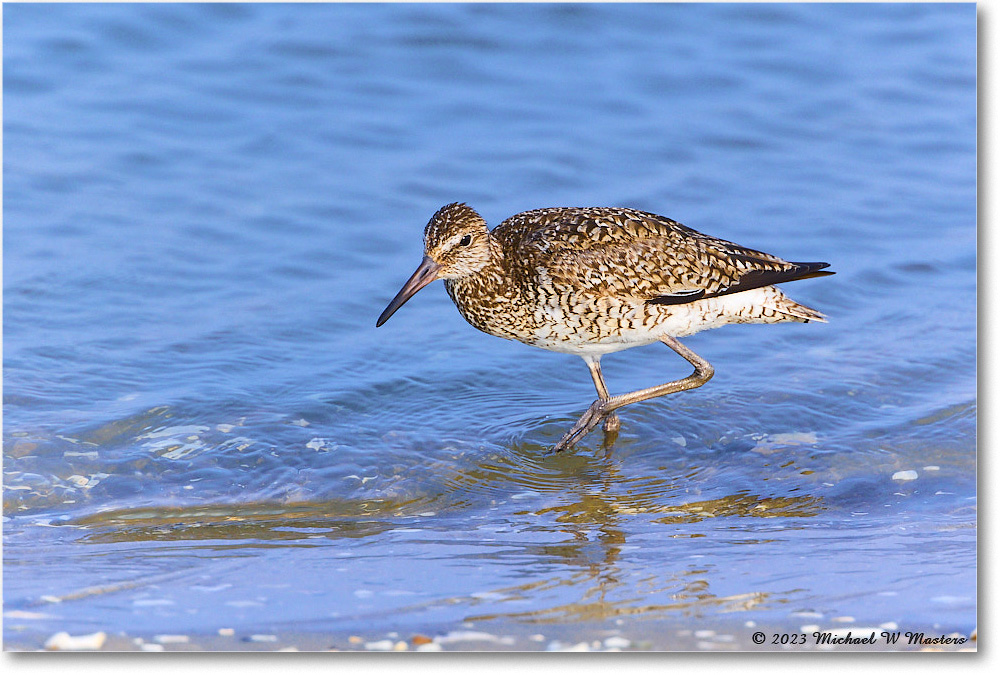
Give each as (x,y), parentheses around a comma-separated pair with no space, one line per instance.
(642,637)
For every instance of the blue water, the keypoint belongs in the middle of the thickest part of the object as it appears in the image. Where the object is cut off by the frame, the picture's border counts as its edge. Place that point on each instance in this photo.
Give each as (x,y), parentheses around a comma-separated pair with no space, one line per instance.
(206,207)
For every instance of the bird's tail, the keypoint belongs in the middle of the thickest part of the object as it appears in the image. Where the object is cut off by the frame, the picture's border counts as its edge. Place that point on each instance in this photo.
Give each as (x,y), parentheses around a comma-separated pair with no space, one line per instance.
(787,309)
(766,305)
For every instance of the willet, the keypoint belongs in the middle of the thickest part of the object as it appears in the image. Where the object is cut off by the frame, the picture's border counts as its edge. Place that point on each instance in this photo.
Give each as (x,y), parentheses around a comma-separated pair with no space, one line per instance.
(591,281)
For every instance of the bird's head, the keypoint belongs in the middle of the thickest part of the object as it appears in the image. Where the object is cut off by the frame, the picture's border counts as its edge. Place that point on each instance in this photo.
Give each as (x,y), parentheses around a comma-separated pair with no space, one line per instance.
(456,245)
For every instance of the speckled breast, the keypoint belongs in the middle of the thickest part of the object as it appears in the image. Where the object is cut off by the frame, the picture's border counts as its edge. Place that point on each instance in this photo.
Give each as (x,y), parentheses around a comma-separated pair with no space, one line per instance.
(491,305)
(553,317)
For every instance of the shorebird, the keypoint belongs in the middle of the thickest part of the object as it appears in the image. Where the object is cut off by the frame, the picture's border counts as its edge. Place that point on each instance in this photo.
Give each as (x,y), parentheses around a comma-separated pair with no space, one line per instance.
(591,281)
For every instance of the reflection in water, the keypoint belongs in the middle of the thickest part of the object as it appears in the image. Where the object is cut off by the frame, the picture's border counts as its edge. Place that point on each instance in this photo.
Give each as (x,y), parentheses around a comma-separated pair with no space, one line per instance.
(744,505)
(593,516)
(691,598)
(593,503)
(246,522)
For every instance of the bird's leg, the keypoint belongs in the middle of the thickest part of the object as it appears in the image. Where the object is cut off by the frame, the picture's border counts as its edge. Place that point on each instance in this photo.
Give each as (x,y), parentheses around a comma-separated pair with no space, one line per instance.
(611,422)
(602,407)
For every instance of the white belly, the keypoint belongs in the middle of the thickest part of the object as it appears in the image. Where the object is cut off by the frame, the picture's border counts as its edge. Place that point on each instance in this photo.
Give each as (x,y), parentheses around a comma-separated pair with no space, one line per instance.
(644,324)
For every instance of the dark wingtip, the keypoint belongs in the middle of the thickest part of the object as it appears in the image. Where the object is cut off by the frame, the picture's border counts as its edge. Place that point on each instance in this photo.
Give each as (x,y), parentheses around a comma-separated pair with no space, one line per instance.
(750,280)
(809,270)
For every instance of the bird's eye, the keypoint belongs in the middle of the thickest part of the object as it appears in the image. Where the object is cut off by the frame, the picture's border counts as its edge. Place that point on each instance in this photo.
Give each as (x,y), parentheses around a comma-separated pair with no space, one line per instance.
(466,240)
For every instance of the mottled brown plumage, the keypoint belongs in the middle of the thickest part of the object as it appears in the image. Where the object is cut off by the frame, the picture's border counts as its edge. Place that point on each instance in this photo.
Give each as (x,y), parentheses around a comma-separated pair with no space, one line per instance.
(590,281)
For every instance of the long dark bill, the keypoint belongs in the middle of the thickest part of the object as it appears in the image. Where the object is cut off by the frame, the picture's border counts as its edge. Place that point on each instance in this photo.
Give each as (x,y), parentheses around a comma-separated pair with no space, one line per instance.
(426,273)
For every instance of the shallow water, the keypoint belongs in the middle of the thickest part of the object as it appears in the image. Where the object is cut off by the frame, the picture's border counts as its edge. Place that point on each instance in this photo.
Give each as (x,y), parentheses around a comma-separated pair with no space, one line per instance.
(207,206)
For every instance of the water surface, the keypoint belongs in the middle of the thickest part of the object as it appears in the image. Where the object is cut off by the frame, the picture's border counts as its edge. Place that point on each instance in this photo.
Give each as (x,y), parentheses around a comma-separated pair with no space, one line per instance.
(207,206)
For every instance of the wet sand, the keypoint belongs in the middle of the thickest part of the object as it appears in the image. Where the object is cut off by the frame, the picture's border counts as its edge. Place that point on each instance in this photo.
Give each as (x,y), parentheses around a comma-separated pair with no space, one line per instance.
(644,637)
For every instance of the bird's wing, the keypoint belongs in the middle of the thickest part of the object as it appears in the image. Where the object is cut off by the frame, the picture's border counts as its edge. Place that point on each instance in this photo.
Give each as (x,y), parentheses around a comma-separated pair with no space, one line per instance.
(613,251)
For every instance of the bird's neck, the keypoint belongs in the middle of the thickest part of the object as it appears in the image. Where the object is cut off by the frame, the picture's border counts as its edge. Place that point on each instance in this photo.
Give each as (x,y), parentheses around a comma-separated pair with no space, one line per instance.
(485,297)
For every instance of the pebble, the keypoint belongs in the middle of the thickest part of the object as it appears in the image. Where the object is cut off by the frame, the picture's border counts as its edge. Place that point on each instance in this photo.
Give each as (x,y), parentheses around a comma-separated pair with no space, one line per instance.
(65,641)
(430,647)
(471,635)
(905,475)
(421,640)
(227,632)
(151,647)
(616,641)
(380,646)
(171,639)
(556,646)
